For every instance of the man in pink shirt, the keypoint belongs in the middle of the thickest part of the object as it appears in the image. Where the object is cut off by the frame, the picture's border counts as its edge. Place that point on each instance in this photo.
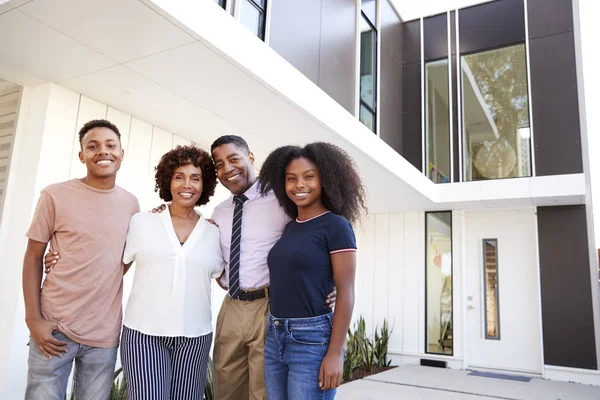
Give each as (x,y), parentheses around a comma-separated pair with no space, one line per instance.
(76,316)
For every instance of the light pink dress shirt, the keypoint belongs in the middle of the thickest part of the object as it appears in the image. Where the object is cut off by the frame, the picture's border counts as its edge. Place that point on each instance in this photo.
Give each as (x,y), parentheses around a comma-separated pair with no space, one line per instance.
(263,221)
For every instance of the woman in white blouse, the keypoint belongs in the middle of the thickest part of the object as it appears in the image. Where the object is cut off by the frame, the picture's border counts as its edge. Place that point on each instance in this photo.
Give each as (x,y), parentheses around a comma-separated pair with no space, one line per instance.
(167,329)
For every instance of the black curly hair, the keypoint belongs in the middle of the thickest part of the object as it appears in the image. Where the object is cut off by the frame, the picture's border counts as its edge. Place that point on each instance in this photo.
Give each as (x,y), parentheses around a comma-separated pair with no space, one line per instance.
(342,191)
(184,155)
(98,123)
(227,139)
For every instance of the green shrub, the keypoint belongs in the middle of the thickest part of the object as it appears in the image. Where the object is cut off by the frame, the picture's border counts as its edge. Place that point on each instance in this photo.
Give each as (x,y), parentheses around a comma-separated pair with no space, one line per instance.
(361,352)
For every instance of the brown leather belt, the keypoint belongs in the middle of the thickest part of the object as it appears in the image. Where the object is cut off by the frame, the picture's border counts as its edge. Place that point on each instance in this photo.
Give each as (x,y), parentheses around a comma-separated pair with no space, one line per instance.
(246,295)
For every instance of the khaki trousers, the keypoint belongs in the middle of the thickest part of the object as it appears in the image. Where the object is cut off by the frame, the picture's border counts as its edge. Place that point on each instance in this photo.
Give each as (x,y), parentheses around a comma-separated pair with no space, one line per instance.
(239,350)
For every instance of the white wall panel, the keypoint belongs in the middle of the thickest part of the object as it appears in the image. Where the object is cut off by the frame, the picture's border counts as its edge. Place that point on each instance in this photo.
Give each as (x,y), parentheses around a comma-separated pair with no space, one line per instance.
(365,272)
(179,141)
(136,174)
(413,263)
(123,122)
(162,142)
(381,268)
(88,110)
(396,280)
(57,140)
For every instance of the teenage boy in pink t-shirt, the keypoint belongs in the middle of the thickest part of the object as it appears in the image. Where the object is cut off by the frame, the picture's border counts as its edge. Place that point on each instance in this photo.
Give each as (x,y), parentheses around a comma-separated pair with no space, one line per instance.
(76,316)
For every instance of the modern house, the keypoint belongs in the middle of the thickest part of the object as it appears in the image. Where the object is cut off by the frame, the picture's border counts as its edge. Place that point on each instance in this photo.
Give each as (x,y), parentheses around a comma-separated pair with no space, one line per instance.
(468,126)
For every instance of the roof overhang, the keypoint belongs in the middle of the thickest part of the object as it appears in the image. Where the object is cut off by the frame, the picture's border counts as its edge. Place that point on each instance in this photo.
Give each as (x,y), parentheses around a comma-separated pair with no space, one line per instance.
(188,67)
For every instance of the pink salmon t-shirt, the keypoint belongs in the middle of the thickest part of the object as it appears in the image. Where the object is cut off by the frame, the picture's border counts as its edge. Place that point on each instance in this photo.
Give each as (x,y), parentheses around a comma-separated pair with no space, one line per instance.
(88,227)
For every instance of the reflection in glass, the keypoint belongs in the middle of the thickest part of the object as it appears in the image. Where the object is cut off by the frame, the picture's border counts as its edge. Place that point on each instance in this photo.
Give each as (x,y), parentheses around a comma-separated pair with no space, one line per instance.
(438,121)
(367,117)
(253,18)
(439,282)
(496,137)
(490,273)
(222,3)
(368,70)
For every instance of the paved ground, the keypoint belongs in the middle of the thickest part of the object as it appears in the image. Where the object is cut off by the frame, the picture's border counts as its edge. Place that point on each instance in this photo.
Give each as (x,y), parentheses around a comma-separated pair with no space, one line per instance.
(426,383)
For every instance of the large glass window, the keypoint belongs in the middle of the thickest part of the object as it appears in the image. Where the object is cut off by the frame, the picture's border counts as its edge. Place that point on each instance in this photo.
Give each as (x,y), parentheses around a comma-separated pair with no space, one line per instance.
(222,3)
(368,73)
(438,121)
(491,290)
(495,104)
(438,264)
(253,16)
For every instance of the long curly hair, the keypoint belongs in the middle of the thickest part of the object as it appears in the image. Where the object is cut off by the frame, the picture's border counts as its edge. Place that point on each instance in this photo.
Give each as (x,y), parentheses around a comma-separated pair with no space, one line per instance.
(184,155)
(342,191)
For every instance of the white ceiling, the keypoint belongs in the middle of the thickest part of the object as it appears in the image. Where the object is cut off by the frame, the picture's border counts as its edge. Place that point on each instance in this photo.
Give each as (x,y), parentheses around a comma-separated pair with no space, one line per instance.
(190,68)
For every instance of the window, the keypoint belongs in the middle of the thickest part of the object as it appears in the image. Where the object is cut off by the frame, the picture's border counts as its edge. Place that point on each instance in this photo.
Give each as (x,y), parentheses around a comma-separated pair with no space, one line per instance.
(222,3)
(368,73)
(491,293)
(438,281)
(438,121)
(495,104)
(10,97)
(253,16)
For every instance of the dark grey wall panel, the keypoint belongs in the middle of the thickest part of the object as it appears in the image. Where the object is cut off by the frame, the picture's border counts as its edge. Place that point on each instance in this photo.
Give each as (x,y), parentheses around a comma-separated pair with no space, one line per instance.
(567,316)
(555,105)
(337,71)
(435,37)
(295,33)
(549,17)
(412,42)
(411,123)
(390,106)
(453,31)
(319,39)
(491,25)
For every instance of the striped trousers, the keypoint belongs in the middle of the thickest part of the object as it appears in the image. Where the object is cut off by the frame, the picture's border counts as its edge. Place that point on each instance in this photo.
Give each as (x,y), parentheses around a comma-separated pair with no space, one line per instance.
(163,368)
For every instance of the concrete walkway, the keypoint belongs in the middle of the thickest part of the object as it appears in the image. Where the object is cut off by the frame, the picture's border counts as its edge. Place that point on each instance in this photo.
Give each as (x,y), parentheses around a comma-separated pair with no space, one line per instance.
(426,383)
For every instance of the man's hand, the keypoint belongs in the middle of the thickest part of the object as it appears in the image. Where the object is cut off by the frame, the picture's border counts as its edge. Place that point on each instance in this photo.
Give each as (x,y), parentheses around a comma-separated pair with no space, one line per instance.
(41,334)
(159,209)
(331,297)
(50,260)
(219,282)
(330,375)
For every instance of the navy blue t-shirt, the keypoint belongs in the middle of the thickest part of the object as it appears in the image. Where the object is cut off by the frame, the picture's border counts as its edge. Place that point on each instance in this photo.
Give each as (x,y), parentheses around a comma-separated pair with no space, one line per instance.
(300,267)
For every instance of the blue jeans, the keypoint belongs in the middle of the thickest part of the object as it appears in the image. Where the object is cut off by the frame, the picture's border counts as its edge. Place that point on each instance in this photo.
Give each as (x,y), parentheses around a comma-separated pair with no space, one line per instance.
(294,350)
(94,372)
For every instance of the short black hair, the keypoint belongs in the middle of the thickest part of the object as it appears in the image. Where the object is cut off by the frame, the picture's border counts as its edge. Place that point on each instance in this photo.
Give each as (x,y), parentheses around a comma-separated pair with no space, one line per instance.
(184,155)
(98,123)
(230,139)
(342,191)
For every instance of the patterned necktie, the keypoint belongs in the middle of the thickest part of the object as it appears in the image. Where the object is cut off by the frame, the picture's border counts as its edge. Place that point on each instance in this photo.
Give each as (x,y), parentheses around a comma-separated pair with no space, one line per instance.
(234,255)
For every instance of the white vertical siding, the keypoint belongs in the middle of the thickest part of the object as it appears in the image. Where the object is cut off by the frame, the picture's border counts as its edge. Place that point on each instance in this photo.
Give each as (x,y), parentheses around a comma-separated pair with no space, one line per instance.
(411,292)
(395,281)
(381,269)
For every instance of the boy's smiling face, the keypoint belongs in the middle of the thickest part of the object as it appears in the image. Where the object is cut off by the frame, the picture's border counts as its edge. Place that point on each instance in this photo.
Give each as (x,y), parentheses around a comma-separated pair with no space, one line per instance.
(101,152)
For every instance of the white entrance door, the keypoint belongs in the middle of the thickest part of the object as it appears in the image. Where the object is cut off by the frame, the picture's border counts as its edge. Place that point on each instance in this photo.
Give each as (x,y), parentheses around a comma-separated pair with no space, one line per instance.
(517,346)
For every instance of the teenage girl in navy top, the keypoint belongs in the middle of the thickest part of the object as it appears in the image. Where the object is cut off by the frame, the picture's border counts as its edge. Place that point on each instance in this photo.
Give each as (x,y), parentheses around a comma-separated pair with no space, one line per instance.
(320,190)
